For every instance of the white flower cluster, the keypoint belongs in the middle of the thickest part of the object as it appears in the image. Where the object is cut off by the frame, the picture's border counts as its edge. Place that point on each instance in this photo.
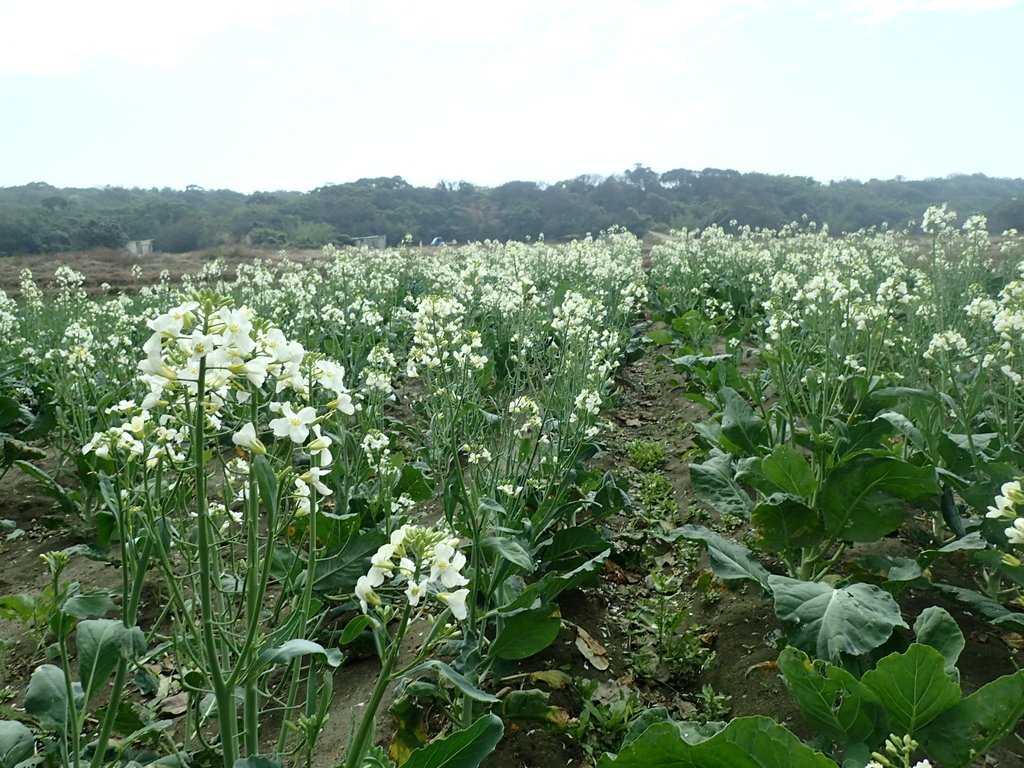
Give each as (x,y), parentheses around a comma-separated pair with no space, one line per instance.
(527,413)
(77,350)
(440,338)
(1010,498)
(426,561)
(376,446)
(128,440)
(946,341)
(8,316)
(937,219)
(235,352)
(378,371)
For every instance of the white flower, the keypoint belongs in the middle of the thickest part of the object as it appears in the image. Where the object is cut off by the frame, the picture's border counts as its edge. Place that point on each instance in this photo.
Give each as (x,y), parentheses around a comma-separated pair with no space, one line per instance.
(313,475)
(364,592)
(319,447)
(456,601)
(1015,533)
(398,537)
(448,562)
(246,438)
(415,590)
(293,425)
(382,558)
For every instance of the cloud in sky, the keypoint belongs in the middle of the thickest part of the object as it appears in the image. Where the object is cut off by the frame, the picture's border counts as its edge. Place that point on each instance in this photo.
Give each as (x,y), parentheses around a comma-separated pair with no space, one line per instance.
(263,94)
(881,11)
(60,37)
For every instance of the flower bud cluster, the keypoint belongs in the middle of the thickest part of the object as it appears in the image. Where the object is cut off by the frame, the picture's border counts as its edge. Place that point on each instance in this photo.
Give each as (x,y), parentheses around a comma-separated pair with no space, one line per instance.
(426,561)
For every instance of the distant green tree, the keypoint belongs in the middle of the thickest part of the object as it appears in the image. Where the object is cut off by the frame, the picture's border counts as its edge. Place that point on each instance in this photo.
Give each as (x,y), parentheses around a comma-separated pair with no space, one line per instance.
(98,232)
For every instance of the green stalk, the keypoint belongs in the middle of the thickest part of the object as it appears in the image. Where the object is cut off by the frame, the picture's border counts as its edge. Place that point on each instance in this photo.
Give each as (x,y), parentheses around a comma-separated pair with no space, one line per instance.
(121,674)
(72,724)
(356,751)
(222,693)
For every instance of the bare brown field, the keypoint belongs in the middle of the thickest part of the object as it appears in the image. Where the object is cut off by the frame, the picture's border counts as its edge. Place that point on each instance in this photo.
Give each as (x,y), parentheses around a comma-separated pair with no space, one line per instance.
(114,267)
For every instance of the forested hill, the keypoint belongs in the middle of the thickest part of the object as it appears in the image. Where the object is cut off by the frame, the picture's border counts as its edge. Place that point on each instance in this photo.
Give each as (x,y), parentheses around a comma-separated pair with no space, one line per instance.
(39,218)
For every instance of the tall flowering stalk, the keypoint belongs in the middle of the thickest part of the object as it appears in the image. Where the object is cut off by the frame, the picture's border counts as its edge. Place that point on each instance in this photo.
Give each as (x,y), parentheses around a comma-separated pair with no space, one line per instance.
(214,371)
(417,567)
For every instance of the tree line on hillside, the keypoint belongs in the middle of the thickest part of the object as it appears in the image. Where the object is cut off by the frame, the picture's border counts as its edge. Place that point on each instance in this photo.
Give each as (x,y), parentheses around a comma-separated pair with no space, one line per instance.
(39,218)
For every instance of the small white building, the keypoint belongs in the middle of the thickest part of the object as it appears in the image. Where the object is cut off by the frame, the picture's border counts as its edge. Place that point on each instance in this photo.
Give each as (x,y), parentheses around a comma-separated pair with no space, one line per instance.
(371,241)
(140,247)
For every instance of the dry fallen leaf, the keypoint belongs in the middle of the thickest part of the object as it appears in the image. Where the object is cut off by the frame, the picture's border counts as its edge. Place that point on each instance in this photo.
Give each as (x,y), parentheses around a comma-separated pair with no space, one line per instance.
(1014,639)
(591,649)
(764,666)
(708,638)
(174,705)
(552,677)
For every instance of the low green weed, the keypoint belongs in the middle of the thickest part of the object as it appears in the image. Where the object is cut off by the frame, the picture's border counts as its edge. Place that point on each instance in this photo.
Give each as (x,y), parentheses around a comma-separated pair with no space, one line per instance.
(646,455)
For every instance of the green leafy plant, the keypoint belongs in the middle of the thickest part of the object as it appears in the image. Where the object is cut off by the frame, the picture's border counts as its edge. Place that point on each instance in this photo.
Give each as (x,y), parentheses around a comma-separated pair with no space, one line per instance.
(914,692)
(646,455)
(664,639)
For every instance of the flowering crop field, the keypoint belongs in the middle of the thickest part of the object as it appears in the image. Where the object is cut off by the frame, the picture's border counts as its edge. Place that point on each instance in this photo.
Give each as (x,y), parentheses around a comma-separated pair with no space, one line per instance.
(501,504)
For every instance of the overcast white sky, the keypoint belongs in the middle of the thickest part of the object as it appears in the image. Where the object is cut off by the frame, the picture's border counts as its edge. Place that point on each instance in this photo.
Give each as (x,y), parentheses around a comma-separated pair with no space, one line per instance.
(264,95)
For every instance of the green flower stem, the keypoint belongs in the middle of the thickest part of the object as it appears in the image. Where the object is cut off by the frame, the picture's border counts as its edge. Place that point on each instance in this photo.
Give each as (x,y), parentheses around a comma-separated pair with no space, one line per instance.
(72,724)
(293,697)
(131,606)
(222,693)
(356,751)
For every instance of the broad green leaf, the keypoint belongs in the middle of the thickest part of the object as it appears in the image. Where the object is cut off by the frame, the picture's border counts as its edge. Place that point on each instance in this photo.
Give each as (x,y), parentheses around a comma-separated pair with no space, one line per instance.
(833,700)
(897,572)
(16,743)
(746,742)
(355,628)
(101,644)
(453,677)
(661,336)
(508,549)
(785,523)
(827,621)
(913,687)
(714,482)
(409,718)
(966,730)
(11,411)
(21,606)
(935,627)
(342,568)
(461,749)
(47,698)
(415,482)
(492,511)
(527,633)
(729,560)
(740,424)
(293,649)
(575,540)
(50,487)
(905,427)
(88,606)
(553,583)
(787,468)
(863,499)
(972,541)
(985,606)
